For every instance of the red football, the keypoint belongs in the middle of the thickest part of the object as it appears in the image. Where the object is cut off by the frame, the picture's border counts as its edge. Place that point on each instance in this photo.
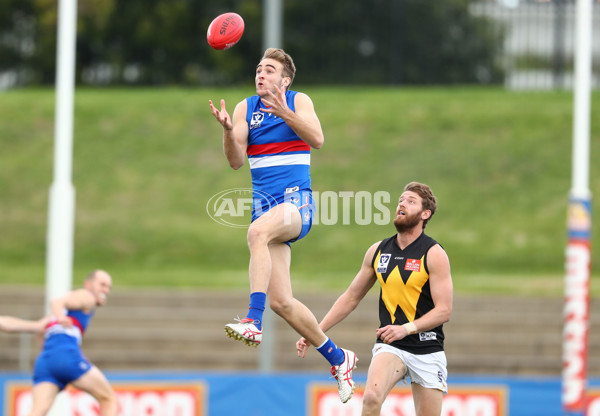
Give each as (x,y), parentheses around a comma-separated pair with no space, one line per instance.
(225,31)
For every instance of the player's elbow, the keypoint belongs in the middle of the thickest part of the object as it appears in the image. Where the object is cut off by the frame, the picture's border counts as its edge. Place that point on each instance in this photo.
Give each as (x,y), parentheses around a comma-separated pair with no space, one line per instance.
(318,143)
(445,313)
(236,164)
(350,299)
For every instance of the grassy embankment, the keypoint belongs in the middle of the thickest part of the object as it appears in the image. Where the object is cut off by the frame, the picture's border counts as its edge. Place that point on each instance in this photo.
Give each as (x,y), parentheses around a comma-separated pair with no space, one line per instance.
(147,161)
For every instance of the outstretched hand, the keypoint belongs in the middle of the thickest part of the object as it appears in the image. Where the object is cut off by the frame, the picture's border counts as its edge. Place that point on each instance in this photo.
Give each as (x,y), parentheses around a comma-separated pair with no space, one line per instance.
(277,104)
(302,346)
(222,115)
(13,324)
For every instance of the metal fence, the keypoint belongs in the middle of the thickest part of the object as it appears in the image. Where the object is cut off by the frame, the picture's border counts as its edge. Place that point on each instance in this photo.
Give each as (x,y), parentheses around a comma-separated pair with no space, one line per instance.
(539,41)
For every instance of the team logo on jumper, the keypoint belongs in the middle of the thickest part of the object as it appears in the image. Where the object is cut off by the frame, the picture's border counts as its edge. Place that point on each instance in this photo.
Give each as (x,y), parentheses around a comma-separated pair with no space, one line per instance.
(413,265)
(382,265)
(256,120)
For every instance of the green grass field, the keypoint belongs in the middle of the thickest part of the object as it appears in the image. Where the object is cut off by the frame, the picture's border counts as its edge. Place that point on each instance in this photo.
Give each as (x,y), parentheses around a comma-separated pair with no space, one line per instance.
(146,162)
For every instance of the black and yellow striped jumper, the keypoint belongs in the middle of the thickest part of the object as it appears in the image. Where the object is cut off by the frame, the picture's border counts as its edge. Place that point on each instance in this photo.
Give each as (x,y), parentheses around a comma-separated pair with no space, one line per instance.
(405,293)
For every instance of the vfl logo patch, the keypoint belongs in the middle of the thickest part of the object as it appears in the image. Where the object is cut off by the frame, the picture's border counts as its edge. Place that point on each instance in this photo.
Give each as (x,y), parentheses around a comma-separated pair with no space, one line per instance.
(413,265)
(427,336)
(382,265)
(256,120)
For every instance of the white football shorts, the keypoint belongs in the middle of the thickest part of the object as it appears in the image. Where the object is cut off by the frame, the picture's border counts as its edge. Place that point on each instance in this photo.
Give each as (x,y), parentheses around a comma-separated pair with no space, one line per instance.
(427,370)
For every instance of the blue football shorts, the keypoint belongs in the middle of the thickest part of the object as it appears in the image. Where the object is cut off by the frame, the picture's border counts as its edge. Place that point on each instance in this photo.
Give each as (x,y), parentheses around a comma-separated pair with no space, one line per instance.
(303,200)
(60,365)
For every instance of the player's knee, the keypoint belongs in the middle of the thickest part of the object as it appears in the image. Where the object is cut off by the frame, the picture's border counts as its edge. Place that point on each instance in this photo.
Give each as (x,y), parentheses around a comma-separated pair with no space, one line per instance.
(372,401)
(282,307)
(256,236)
(106,398)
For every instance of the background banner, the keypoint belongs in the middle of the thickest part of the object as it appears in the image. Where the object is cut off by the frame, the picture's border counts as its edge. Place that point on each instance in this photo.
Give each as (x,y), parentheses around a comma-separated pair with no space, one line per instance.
(302,394)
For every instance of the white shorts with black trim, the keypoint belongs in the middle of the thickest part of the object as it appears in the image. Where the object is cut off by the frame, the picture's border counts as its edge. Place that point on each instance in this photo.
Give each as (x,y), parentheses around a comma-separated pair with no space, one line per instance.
(427,370)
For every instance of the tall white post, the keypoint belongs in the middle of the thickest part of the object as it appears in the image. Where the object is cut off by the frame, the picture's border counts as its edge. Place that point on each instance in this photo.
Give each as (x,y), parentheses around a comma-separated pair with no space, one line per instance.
(272,24)
(61,210)
(272,38)
(267,346)
(61,213)
(579,223)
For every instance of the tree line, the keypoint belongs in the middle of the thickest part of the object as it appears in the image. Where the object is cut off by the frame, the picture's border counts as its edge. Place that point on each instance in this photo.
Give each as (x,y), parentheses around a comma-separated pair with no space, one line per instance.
(163,42)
